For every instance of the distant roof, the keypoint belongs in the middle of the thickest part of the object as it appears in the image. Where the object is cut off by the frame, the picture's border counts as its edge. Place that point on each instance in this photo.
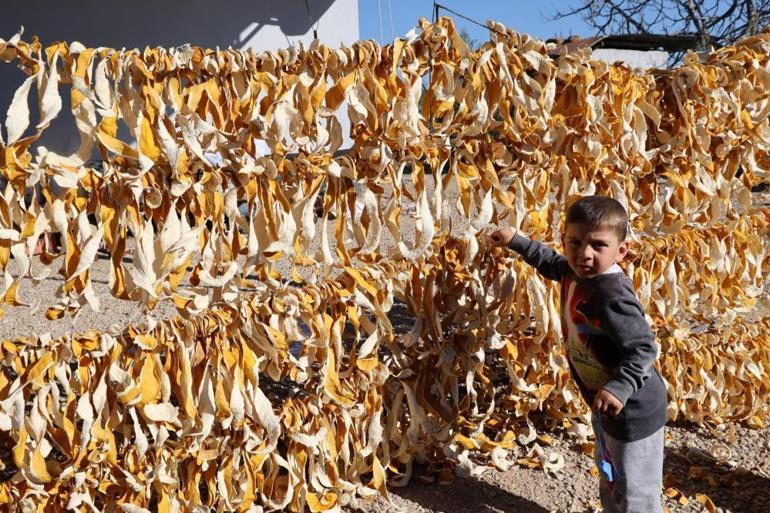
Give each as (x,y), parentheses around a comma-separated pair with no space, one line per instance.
(642,42)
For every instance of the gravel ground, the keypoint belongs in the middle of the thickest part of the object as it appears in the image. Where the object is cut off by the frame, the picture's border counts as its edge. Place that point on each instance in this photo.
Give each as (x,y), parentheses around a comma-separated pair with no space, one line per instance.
(740,484)
(730,463)
(114,314)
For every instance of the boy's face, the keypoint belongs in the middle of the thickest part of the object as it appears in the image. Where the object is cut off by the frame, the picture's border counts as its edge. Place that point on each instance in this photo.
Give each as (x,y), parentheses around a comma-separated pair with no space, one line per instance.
(590,251)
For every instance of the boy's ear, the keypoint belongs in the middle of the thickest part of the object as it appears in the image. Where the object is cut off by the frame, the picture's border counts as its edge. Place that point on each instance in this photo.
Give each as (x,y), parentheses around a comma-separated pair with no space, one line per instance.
(622,251)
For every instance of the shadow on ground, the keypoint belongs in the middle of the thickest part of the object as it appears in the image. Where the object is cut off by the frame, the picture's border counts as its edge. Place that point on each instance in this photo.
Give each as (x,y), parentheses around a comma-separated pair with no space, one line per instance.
(478,497)
(735,489)
(463,495)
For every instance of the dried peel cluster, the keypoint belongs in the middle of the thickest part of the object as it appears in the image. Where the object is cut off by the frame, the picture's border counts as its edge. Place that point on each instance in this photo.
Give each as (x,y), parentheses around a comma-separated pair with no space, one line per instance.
(268,394)
(178,416)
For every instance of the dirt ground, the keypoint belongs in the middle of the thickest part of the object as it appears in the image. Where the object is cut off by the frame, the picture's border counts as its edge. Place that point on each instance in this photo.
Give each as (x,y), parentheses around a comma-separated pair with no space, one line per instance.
(740,484)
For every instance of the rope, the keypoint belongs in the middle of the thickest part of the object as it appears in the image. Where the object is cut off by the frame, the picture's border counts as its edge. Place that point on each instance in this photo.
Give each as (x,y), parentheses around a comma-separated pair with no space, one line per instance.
(379,16)
(310,20)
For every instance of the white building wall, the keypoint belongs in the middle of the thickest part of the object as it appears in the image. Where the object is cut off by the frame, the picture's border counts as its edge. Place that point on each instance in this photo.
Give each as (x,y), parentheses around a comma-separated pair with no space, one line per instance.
(634,58)
(241,24)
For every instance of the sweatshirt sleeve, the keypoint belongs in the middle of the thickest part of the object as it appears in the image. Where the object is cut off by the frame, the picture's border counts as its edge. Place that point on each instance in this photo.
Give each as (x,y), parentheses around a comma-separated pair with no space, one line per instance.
(623,319)
(548,262)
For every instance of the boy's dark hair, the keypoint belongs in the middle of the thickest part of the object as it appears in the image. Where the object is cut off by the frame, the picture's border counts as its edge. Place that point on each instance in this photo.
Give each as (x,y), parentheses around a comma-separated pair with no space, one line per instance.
(600,212)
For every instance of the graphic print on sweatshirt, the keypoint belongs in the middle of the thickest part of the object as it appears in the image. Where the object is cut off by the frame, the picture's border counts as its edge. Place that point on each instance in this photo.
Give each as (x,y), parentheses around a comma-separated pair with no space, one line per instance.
(581,335)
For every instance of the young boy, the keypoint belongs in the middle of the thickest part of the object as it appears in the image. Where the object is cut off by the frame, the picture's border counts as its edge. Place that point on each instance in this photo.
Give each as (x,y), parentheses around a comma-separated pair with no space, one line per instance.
(610,348)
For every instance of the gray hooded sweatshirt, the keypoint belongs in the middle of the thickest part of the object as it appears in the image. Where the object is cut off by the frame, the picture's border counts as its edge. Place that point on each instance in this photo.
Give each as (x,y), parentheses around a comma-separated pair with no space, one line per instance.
(608,341)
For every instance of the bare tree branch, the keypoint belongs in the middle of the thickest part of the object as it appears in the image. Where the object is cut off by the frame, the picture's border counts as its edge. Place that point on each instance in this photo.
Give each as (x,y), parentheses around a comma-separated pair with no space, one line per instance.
(629,19)
(696,16)
(751,26)
(716,22)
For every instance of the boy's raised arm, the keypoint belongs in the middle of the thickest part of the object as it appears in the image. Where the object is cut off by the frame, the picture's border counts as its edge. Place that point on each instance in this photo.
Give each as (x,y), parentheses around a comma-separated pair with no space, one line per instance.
(548,262)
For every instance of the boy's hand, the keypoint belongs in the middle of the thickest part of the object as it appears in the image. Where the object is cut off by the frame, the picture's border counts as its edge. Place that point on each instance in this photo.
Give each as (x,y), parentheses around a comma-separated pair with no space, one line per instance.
(502,237)
(606,402)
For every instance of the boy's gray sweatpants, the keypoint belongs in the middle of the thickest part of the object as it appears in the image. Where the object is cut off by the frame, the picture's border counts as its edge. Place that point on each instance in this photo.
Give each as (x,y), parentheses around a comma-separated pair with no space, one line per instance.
(630,473)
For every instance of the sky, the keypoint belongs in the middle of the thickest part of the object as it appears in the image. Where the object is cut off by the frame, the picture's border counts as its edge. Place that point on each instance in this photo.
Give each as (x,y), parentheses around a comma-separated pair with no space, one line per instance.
(521,15)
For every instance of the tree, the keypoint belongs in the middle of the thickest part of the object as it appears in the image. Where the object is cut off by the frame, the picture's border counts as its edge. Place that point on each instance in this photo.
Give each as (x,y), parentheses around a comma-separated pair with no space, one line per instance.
(473,44)
(715,22)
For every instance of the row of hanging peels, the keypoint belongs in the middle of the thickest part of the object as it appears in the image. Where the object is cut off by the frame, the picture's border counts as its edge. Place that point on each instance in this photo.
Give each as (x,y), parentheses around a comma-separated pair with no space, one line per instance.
(341,317)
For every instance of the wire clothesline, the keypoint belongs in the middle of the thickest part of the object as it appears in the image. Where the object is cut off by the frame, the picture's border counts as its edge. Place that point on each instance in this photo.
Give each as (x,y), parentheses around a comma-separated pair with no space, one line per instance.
(437,6)
(310,20)
(379,17)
